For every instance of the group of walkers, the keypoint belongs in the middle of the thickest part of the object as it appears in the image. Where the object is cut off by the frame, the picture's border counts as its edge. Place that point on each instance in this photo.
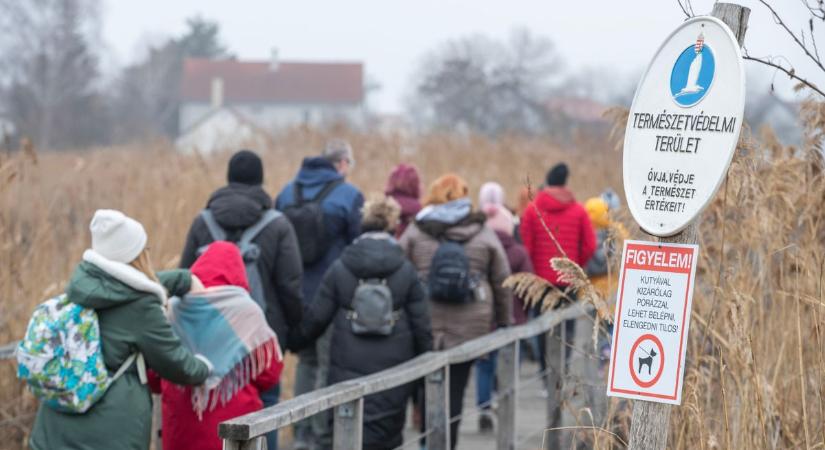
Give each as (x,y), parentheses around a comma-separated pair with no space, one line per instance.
(352,286)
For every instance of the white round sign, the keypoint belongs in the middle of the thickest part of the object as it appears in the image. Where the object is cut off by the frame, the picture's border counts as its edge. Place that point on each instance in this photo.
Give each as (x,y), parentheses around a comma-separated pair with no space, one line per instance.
(683,126)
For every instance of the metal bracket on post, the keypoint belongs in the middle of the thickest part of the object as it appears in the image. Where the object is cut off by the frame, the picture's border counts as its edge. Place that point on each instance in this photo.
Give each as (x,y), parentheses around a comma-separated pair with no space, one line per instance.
(348,425)
(437,400)
(507,372)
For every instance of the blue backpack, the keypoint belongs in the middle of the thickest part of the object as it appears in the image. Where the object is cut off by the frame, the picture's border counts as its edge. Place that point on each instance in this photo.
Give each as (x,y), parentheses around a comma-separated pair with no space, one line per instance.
(61,360)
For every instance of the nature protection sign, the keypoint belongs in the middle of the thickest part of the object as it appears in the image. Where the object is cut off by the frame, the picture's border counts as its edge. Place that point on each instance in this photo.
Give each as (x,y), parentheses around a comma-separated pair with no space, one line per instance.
(683,126)
(652,321)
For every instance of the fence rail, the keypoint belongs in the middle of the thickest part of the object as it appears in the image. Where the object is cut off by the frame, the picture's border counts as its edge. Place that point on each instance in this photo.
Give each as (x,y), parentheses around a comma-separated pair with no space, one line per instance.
(7,351)
(346,398)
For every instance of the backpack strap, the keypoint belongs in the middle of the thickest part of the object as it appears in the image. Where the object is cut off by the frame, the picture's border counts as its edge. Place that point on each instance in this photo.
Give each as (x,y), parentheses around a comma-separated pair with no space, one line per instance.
(141,367)
(327,190)
(252,232)
(215,230)
(298,194)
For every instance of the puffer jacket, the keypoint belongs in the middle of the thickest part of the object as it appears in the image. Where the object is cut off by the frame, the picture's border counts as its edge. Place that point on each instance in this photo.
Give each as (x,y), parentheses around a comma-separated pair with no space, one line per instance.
(342,214)
(371,256)
(568,222)
(237,207)
(454,324)
(519,263)
(131,320)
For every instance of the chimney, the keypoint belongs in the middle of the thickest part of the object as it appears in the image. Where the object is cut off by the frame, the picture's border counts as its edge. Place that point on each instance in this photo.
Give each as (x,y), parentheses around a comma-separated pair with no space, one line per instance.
(217,92)
(273,60)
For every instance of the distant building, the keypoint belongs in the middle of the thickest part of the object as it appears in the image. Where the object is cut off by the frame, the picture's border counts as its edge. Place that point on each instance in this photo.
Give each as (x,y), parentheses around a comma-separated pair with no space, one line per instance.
(263,97)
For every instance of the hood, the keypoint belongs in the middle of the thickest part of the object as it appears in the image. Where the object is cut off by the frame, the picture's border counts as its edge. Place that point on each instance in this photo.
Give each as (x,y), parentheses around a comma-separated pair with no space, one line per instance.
(99,283)
(404,180)
(238,206)
(499,218)
(448,213)
(373,255)
(554,199)
(316,171)
(221,265)
(410,206)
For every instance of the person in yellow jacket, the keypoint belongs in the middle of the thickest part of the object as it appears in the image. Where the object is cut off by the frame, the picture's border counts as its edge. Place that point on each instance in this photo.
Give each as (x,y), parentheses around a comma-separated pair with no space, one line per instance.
(610,235)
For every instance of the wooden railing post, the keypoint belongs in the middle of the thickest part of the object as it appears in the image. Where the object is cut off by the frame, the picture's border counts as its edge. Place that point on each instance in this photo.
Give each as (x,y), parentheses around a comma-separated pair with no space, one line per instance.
(507,372)
(554,356)
(437,400)
(349,425)
(258,443)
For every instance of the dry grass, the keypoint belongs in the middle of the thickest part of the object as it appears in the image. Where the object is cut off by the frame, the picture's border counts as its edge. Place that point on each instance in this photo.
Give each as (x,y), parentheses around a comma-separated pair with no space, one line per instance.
(46,202)
(756,361)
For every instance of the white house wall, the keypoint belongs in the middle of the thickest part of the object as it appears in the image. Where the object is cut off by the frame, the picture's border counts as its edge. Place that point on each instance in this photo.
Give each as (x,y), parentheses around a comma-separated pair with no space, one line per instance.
(276,117)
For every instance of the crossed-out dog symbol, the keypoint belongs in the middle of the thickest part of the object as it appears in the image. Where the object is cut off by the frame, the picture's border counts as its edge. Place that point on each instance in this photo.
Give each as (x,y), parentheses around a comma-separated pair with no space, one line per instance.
(647,360)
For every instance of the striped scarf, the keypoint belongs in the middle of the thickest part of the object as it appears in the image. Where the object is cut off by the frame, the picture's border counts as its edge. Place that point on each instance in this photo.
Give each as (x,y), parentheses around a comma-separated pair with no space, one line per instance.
(226,326)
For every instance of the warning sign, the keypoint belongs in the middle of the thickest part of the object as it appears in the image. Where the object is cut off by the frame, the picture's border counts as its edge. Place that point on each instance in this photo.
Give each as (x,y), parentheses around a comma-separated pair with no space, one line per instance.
(652,321)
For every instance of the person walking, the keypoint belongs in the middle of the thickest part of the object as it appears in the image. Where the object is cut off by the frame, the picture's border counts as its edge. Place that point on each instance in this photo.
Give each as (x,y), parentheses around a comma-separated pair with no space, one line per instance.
(555,209)
(464,266)
(404,185)
(117,281)
(325,212)
(379,316)
(241,212)
(491,201)
(224,323)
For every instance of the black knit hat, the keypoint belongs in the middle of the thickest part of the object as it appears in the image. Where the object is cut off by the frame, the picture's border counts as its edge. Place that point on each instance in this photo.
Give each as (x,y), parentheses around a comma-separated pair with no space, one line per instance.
(246,167)
(557,176)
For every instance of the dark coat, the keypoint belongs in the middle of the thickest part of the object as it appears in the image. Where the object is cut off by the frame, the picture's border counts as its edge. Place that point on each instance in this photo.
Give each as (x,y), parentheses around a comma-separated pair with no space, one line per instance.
(519,263)
(130,321)
(236,207)
(342,214)
(374,255)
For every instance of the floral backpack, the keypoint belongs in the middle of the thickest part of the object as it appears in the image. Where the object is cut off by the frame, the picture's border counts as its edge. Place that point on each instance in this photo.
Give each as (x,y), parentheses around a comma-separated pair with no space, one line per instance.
(60,357)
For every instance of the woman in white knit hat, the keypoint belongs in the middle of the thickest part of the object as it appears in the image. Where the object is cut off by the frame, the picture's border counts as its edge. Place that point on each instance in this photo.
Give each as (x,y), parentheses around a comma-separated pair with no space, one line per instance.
(116,279)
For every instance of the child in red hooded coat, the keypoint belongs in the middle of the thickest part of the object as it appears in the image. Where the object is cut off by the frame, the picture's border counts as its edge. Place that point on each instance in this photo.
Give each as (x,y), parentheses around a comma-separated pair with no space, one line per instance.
(220,265)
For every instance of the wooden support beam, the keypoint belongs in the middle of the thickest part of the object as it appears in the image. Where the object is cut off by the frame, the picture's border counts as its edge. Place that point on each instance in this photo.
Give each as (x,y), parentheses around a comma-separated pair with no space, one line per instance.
(349,425)
(437,399)
(507,372)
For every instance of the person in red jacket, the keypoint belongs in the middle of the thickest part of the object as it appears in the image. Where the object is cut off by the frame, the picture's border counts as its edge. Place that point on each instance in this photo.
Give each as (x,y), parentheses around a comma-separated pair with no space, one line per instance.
(566,219)
(571,227)
(221,265)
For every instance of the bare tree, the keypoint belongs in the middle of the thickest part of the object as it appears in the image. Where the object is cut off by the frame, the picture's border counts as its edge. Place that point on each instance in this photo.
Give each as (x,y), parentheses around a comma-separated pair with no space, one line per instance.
(805,39)
(487,85)
(146,95)
(48,71)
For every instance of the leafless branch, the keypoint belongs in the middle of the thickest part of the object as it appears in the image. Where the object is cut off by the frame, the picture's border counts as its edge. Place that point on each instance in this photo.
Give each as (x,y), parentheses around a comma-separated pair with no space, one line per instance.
(817,10)
(683,8)
(793,35)
(790,72)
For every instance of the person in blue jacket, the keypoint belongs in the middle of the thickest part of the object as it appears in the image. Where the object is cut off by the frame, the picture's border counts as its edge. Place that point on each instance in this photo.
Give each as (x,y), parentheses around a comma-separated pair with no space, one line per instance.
(320,180)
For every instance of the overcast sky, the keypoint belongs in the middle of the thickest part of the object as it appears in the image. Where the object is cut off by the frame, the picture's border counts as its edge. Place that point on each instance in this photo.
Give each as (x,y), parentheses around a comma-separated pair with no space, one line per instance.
(613,36)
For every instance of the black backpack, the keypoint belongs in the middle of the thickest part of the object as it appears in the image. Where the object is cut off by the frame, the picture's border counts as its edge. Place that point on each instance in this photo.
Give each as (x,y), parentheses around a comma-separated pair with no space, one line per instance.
(307,217)
(249,250)
(450,279)
(371,312)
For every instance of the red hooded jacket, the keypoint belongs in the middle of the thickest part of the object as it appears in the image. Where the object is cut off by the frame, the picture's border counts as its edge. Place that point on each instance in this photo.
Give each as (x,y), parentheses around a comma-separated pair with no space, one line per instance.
(220,265)
(569,223)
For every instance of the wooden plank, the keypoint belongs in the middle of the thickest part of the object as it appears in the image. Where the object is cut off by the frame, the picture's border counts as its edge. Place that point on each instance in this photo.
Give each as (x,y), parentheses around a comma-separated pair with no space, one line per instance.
(554,358)
(507,371)
(293,410)
(348,425)
(437,401)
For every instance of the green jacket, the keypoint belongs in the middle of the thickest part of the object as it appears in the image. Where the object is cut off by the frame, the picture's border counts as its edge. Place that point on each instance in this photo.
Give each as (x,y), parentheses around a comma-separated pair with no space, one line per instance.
(130,321)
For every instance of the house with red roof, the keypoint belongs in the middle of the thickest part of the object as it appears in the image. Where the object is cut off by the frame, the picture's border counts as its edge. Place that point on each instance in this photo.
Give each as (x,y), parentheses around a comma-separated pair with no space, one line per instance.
(260,97)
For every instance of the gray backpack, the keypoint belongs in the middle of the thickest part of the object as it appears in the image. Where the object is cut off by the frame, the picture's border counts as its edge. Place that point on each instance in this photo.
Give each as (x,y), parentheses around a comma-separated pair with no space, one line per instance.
(249,250)
(371,311)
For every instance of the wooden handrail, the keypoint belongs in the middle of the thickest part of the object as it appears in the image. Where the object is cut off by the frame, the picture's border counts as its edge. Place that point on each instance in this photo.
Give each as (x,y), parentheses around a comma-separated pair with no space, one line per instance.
(7,351)
(256,424)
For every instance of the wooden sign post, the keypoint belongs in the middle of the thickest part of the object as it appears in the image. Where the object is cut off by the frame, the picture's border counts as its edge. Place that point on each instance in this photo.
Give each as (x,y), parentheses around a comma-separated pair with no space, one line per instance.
(649,428)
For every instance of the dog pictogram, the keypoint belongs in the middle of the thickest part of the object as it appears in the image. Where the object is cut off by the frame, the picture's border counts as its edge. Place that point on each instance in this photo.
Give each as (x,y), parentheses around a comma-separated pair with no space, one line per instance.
(648,360)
